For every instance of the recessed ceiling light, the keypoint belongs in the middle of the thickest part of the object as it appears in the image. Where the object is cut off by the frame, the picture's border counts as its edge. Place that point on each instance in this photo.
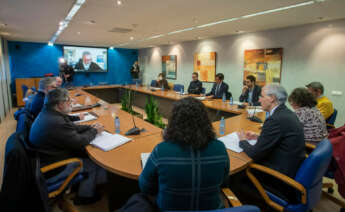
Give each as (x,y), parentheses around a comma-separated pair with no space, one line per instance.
(132,38)
(78,33)
(50,43)
(119,2)
(111,48)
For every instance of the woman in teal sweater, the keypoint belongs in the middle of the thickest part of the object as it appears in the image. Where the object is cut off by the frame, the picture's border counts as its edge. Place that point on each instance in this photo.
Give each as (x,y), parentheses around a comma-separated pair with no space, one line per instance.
(186,170)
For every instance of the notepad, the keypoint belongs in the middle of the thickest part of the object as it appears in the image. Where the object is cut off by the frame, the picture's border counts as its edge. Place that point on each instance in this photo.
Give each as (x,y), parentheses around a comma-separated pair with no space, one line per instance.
(87,117)
(200,98)
(232,142)
(144,157)
(155,88)
(107,141)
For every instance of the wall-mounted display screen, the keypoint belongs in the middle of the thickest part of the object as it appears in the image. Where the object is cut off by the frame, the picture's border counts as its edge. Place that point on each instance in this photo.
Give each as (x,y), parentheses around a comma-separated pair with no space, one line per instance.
(86,59)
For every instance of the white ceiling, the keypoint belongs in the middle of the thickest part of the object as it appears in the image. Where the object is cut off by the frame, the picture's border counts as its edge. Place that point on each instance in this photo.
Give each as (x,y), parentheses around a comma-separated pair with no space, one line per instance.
(37,20)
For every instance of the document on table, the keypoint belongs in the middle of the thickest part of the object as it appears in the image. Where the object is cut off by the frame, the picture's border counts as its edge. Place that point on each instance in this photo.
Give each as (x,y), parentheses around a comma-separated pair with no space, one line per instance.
(77,105)
(232,142)
(200,97)
(88,116)
(144,157)
(107,141)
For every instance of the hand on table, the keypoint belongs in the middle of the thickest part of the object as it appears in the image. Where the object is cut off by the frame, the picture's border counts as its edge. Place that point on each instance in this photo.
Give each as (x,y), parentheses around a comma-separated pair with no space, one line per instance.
(98,127)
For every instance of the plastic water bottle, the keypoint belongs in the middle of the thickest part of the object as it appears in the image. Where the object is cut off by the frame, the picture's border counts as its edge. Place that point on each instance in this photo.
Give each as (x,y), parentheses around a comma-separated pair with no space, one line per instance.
(231,101)
(222,126)
(181,91)
(117,125)
(136,84)
(224,97)
(162,88)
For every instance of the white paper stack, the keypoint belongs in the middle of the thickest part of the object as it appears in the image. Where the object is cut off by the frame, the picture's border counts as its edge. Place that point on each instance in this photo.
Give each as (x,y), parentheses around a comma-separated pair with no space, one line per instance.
(155,88)
(76,105)
(252,111)
(106,141)
(232,142)
(200,98)
(87,117)
(144,157)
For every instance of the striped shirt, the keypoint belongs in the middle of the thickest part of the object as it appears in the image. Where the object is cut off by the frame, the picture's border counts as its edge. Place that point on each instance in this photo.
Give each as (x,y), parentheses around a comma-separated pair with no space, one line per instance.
(186,179)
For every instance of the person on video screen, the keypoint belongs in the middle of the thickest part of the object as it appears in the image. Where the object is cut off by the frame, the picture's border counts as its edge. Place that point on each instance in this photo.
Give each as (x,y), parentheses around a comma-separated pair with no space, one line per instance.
(86,64)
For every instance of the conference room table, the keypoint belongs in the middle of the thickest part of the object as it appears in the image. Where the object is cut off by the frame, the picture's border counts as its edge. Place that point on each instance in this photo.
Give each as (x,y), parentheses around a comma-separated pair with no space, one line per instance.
(125,160)
(112,94)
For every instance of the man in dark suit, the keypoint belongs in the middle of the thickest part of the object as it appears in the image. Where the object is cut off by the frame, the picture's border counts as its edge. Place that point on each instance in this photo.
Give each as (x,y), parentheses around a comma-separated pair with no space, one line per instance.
(195,86)
(251,92)
(45,85)
(58,138)
(219,88)
(135,70)
(86,64)
(280,146)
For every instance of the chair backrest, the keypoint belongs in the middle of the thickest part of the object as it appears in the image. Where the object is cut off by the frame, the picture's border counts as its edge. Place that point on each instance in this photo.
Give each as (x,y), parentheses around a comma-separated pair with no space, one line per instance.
(332,118)
(24,89)
(315,166)
(178,87)
(244,208)
(23,184)
(153,83)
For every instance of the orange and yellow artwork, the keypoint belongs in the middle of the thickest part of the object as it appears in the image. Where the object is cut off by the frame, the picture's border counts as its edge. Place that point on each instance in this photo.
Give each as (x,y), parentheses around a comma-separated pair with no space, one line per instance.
(205,66)
(264,64)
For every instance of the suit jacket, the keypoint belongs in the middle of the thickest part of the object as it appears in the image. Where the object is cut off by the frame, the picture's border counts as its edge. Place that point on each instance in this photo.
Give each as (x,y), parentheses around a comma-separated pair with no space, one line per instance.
(223,89)
(280,145)
(58,137)
(37,103)
(255,96)
(195,87)
(135,74)
(93,67)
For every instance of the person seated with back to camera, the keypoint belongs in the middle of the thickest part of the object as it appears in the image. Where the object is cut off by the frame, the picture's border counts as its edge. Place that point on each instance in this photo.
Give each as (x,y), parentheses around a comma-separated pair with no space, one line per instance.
(186,170)
(314,124)
(219,88)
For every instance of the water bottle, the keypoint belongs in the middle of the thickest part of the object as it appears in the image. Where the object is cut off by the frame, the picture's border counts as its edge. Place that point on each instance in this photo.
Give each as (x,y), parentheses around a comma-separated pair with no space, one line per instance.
(224,97)
(117,125)
(181,91)
(231,101)
(136,84)
(162,88)
(222,126)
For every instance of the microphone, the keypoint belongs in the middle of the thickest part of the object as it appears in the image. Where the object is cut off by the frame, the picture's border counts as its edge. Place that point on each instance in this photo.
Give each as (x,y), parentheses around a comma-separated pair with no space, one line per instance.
(135,130)
(255,118)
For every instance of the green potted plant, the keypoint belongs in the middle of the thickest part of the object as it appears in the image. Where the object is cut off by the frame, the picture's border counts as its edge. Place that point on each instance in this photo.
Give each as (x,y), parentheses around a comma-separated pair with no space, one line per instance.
(152,112)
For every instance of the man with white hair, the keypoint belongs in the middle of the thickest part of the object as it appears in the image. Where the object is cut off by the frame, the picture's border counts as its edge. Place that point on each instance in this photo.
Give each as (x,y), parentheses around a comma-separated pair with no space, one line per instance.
(280,146)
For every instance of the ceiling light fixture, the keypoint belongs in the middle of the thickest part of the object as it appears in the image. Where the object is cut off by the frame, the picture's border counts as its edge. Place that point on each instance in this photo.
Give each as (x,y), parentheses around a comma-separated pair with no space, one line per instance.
(111,48)
(63,24)
(237,18)
(131,38)
(50,44)
(119,2)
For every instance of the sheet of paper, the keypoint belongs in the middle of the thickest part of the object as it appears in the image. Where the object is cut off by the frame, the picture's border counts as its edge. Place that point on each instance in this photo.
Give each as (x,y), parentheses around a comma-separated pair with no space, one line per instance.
(106,141)
(76,105)
(87,117)
(232,141)
(200,98)
(144,157)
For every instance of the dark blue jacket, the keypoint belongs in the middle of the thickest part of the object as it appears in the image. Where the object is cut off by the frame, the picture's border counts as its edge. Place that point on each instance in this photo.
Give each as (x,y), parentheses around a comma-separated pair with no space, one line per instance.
(37,103)
(186,179)
(223,89)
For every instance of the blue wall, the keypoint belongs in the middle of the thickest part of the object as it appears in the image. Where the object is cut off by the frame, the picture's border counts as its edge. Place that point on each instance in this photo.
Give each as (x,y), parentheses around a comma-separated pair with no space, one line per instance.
(36,59)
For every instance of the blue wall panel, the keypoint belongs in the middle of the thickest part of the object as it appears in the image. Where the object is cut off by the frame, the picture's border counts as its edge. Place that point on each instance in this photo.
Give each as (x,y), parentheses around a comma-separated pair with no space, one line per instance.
(36,59)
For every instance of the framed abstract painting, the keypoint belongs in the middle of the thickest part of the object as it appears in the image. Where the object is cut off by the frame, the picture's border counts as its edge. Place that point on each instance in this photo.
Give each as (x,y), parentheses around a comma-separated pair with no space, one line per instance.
(205,66)
(169,66)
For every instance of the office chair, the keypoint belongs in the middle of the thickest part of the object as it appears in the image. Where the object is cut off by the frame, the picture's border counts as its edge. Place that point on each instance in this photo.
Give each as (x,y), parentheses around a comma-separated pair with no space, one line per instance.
(153,83)
(308,180)
(178,87)
(232,199)
(203,90)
